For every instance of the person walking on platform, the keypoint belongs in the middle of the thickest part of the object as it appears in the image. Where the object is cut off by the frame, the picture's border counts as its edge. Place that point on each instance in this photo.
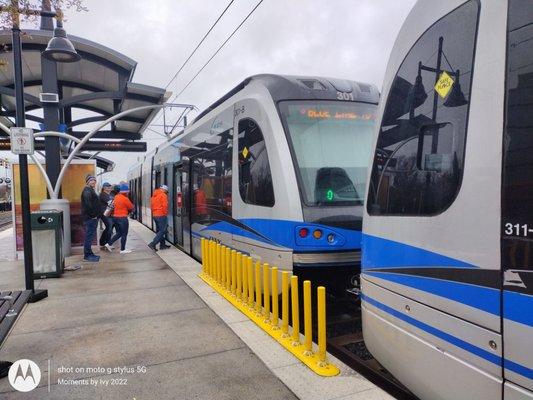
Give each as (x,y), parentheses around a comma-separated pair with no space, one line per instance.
(159,205)
(123,206)
(105,198)
(90,210)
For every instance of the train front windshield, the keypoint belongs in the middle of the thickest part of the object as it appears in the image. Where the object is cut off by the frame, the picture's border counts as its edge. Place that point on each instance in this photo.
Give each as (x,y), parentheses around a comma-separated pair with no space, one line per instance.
(331,143)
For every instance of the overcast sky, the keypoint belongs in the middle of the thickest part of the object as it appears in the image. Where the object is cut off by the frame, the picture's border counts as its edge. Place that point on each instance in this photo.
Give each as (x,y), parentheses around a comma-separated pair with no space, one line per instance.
(340,38)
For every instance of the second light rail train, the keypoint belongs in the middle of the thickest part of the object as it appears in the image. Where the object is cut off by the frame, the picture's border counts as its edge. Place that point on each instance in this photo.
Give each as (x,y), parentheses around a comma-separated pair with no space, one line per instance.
(276,169)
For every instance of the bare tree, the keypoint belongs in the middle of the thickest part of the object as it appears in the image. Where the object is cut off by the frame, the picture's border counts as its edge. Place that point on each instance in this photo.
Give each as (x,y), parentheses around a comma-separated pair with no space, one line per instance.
(25,10)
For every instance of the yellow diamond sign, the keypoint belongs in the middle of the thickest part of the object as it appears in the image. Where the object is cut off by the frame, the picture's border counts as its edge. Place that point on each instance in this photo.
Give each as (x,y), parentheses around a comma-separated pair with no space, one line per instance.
(245,152)
(444,84)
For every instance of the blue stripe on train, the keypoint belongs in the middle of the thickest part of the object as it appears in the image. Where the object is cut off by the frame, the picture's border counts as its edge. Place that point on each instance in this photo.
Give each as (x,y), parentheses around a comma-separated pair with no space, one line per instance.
(384,253)
(284,233)
(518,307)
(480,297)
(510,365)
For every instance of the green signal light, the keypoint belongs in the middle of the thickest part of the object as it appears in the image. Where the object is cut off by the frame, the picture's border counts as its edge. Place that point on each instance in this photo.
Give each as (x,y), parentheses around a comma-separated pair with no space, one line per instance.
(329,195)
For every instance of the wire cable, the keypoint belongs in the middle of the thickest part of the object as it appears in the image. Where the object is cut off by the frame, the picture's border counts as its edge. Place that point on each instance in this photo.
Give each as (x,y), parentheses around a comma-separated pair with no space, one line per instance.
(218,50)
(199,44)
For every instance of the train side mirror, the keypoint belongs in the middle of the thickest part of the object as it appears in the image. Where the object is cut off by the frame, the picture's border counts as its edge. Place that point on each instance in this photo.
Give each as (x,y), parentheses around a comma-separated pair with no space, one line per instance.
(183,165)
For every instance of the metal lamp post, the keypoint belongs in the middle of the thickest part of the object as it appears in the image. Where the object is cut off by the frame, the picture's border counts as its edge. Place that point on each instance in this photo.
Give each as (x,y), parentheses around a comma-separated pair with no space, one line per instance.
(59,49)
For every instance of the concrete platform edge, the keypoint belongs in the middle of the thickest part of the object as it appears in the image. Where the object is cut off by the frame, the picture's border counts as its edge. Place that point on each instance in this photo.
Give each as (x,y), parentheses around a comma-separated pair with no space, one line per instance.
(348,385)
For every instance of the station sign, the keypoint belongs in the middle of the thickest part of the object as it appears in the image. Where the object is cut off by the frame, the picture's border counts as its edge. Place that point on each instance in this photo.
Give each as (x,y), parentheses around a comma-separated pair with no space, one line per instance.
(22,141)
(91,145)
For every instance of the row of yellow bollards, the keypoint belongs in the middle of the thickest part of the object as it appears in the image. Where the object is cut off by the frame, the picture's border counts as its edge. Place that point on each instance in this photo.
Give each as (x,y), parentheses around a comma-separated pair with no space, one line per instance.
(250,287)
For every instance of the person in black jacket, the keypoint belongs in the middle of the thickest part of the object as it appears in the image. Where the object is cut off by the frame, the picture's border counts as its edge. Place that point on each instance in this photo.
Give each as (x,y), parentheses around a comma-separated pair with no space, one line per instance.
(91,210)
(105,198)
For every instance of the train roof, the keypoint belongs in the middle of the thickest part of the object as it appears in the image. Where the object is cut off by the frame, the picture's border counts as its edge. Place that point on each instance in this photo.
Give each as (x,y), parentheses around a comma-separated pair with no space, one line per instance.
(290,87)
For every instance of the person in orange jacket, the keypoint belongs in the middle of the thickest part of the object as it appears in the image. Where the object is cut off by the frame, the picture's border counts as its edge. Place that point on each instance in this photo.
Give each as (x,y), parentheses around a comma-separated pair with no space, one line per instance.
(123,206)
(159,204)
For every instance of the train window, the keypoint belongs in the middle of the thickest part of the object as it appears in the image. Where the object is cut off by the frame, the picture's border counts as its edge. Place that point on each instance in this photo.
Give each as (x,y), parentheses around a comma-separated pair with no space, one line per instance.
(418,162)
(331,143)
(255,178)
(211,179)
(517,187)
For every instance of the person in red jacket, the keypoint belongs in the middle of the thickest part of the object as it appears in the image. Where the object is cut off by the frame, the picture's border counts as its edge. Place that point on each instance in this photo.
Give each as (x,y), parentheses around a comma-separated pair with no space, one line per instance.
(123,206)
(159,204)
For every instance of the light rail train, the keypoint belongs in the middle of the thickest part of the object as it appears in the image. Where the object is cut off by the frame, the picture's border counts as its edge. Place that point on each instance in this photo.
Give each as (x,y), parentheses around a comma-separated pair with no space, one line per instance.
(447,269)
(276,169)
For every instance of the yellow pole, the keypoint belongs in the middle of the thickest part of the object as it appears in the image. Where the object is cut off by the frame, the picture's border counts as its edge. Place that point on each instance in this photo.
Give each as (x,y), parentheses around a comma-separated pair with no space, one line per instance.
(217,265)
(308,318)
(212,260)
(321,295)
(285,303)
(244,262)
(295,312)
(209,257)
(258,287)
(202,246)
(250,266)
(228,269)
(266,291)
(239,275)
(275,311)
(222,278)
(233,271)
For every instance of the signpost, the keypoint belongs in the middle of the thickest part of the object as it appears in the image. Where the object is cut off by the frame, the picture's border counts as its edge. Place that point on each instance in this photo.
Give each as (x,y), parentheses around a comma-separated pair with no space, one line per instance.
(22,141)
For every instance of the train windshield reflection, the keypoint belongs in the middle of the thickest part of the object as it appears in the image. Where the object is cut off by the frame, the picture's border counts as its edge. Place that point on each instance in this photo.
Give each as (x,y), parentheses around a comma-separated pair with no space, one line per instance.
(331,143)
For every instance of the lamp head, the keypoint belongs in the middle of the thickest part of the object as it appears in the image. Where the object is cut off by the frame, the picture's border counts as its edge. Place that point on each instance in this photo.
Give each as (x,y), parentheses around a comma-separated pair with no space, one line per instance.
(60,48)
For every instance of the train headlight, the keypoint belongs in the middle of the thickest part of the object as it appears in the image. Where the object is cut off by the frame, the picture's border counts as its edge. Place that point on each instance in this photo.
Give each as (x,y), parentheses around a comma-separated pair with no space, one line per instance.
(303,232)
(317,233)
(331,238)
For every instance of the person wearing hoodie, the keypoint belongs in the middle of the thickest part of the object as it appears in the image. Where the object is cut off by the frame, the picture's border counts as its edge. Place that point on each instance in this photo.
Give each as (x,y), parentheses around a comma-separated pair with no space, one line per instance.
(159,205)
(90,210)
(123,206)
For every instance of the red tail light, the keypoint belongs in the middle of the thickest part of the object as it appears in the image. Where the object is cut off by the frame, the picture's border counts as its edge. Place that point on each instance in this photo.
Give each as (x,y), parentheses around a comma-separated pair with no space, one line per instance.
(303,232)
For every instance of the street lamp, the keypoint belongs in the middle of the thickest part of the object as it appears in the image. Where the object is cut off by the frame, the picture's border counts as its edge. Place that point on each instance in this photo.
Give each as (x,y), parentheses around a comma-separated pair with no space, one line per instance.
(58,50)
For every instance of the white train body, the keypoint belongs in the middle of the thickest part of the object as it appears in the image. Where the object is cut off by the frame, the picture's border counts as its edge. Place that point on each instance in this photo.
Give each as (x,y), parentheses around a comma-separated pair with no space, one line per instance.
(447,270)
(275,169)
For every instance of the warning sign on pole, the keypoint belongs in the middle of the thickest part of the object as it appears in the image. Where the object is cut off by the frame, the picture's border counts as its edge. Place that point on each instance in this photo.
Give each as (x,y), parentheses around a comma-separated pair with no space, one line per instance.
(22,140)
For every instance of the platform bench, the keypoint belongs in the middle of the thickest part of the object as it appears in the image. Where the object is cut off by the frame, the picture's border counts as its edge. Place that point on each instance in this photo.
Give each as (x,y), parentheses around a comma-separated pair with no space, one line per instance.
(10,309)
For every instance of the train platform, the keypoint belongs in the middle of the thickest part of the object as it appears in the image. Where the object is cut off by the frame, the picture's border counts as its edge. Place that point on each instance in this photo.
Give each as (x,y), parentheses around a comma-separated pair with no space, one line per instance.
(145,326)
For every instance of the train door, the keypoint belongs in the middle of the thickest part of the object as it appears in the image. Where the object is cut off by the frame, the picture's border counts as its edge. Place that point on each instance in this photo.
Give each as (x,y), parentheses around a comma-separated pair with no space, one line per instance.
(181,201)
(253,188)
(169,181)
(517,201)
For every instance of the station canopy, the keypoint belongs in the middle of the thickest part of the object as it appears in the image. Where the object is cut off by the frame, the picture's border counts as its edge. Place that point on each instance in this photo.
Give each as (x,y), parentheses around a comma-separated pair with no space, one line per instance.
(100,83)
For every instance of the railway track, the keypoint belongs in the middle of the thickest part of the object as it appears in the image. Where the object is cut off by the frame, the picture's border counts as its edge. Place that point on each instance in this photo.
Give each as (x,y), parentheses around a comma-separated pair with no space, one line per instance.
(345,341)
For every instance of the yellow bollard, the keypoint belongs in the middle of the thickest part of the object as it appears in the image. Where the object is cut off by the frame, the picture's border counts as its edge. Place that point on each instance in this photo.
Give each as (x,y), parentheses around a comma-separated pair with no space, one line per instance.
(244,261)
(321,295)
(209,257)
(275,311)
(285,304)
(250,268)
(239,275)
(213,260)
(295,312)
(228,269)
(202,247)
(233,271)
(308,319)
(258,287)
(266,292)
(222,278)
(217,265)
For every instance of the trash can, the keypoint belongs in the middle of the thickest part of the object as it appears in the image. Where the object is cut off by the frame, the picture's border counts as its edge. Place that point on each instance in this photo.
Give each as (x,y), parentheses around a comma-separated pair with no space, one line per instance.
(47,242)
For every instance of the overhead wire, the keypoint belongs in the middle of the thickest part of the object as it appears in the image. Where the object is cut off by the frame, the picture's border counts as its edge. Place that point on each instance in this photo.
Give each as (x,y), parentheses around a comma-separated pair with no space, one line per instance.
(199,44)
(194,52)
(218,50)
